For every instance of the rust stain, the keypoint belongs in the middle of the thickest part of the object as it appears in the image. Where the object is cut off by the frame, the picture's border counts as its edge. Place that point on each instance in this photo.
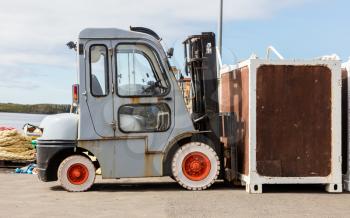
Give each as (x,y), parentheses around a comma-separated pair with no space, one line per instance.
(148,165)
(235,98)
(135,100)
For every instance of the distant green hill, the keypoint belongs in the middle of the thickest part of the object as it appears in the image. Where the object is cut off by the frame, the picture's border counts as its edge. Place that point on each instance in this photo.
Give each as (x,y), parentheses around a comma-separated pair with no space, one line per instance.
(35,109)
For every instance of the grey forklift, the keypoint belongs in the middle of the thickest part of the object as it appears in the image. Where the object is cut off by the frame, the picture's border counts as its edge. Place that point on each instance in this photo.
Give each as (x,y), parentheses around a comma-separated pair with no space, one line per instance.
(130,118)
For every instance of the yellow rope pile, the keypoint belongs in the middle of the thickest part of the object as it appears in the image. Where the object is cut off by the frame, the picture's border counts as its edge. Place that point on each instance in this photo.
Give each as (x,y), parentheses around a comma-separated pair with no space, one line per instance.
(15,147)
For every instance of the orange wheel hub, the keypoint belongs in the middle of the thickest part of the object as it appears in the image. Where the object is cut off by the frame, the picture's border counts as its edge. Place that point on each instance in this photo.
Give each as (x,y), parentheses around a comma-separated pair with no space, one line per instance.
(196,166)
(77,174)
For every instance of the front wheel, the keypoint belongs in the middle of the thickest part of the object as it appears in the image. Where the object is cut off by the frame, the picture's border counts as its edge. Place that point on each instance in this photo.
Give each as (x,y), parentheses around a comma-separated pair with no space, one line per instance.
(195,166)
(76,173)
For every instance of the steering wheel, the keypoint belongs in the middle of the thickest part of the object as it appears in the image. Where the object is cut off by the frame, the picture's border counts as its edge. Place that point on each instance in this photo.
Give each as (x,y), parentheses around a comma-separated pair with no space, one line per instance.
(159,85)
(152,87)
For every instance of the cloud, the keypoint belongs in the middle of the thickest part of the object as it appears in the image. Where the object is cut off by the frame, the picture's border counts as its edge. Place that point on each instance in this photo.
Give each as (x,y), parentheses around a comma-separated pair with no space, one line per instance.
(21,57)
(35,22)
(18,77)
(31,25)
(34,32)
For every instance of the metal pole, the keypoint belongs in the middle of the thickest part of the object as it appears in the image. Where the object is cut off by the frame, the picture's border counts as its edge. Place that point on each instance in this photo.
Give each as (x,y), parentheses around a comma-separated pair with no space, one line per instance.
(220,27)
(219,48)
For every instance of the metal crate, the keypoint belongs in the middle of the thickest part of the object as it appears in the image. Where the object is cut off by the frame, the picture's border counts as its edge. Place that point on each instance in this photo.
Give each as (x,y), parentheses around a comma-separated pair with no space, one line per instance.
(289,115)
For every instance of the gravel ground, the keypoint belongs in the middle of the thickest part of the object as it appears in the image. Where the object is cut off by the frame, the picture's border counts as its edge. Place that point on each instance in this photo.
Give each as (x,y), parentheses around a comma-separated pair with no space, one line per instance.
(26,196)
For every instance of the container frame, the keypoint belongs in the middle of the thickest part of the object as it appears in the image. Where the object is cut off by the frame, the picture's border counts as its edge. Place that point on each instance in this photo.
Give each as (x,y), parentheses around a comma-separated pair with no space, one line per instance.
(346,157)
(253,181)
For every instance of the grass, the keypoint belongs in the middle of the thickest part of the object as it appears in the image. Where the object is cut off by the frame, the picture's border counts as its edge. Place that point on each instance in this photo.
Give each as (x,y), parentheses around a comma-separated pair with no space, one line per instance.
(34,109)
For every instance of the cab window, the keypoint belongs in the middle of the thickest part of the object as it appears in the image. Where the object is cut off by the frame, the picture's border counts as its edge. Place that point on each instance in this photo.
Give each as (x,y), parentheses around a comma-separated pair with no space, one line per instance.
(139,72)
(99,70)
(144,118)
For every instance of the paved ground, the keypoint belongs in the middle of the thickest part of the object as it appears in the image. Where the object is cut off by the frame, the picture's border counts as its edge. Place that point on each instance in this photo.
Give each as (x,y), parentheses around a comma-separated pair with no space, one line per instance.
(26,196)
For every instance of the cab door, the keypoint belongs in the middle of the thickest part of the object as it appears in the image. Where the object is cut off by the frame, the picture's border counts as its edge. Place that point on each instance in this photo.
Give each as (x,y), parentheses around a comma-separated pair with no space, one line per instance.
(99,87)
(144,108)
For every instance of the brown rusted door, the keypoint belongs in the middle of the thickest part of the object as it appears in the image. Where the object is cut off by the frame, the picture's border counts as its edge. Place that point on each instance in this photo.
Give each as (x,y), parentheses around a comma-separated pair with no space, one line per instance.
(293,111)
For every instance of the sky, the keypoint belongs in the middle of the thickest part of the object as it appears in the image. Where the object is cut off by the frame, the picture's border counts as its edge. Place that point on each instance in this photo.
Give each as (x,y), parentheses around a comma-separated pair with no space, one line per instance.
(37,67)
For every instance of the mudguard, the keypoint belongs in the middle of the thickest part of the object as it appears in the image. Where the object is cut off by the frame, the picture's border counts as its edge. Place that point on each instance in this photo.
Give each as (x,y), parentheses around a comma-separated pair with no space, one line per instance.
(60,127)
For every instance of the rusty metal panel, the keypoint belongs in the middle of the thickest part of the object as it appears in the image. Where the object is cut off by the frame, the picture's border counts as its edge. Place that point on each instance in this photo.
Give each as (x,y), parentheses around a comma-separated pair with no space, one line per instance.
(125,157)
(345,121)
(294,121)
(235,98)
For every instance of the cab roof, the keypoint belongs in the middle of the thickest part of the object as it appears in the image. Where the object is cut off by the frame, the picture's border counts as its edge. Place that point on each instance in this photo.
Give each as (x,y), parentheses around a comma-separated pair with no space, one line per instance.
(112,33)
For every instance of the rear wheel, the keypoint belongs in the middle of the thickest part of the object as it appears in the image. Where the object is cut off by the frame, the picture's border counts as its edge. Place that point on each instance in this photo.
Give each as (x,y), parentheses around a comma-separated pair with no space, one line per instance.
(195,166)
(76,173)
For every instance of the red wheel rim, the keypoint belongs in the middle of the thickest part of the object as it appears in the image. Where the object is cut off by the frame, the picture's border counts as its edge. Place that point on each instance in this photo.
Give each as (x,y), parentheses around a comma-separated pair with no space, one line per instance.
(196,166)
(77,174)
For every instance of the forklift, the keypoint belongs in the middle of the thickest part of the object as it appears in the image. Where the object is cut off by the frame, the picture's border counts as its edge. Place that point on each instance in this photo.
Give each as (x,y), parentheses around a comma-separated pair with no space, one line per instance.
(130,118)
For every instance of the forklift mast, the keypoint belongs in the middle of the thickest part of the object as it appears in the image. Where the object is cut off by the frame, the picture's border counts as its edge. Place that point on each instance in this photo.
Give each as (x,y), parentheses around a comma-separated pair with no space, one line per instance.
(201,65)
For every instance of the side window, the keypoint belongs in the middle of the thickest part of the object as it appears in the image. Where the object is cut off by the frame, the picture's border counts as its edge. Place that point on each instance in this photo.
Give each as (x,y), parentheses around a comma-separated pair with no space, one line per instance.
(144,118)
(99,70)
(139,72)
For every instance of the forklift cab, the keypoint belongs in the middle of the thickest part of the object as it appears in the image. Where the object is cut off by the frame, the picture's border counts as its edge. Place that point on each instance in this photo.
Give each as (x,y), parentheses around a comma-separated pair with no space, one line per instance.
(126,85)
